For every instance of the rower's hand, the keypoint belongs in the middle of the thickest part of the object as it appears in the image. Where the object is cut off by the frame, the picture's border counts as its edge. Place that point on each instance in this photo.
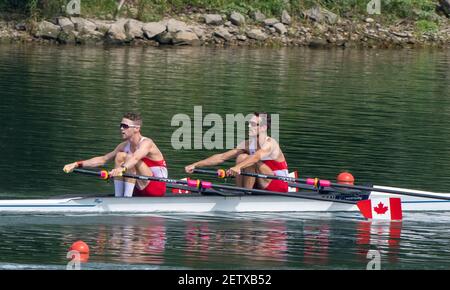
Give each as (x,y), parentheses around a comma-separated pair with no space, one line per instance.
(70,167)
(189,169)
(233,171)
(116,172)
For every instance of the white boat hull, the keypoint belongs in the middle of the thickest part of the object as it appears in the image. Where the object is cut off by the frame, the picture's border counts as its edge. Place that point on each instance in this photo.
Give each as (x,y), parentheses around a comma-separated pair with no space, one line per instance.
(195,204)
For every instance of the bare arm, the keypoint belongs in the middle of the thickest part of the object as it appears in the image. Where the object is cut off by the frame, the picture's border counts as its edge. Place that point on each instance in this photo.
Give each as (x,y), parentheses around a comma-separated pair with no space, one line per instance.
(253,159)
(144,149)
(215,159)
(95,161)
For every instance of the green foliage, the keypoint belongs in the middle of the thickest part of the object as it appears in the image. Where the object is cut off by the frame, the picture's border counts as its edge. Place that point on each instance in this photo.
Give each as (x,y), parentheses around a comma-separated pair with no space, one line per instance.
(151,9)
(426,26)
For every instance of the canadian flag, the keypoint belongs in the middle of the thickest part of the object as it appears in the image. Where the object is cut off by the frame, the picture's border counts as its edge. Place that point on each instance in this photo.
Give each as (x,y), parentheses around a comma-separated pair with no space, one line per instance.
(381,208)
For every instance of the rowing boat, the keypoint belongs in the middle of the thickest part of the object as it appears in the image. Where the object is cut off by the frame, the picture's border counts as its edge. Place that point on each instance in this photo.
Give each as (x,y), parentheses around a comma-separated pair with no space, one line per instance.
(198,203)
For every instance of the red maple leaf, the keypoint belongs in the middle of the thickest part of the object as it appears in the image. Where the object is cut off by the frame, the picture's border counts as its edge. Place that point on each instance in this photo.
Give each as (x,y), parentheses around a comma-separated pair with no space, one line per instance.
(380,209)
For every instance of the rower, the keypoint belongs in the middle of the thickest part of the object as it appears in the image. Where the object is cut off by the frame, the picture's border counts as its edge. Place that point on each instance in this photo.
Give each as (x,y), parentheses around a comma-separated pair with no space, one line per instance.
(259,154)
(135,155)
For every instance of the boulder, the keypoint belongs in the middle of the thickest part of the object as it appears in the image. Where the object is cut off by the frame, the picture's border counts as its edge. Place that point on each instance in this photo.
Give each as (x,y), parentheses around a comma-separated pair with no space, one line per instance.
(153,29)
(103,25)
(48,30)
(213,19)
(164,38)
(318,43)
(271,21)
(184,37)
(319,14)
(223,33)
(256,34)
(237,18)
(280,28)
(133,29)
(83,25)
(257,16)
(286,18)
(176,25)
(66,25)
(117,33)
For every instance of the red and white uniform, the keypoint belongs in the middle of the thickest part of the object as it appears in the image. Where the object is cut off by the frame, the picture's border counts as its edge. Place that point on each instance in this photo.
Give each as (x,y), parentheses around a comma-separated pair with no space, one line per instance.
(278,168)
(158,168)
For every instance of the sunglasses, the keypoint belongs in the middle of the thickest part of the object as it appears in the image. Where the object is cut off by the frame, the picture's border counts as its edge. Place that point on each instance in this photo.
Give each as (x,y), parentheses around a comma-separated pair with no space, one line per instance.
(126,126)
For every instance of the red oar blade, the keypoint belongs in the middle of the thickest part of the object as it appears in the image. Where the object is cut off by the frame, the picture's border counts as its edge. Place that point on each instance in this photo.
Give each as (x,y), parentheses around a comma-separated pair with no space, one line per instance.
(381,208)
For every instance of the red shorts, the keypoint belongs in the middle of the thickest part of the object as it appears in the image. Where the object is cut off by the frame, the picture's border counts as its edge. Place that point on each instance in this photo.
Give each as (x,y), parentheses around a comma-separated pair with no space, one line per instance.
(277,185)
(154,188)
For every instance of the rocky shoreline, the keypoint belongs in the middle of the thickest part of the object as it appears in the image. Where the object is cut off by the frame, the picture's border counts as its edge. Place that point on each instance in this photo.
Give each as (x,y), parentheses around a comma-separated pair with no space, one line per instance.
(318,28)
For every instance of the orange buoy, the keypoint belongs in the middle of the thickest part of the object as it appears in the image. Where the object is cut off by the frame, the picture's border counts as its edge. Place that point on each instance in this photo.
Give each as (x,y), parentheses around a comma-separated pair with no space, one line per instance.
(345,178)
(80,246)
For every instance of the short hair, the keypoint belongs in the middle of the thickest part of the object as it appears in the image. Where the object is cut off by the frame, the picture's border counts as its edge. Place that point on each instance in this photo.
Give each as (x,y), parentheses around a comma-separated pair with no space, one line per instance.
(133,116)
(265,119)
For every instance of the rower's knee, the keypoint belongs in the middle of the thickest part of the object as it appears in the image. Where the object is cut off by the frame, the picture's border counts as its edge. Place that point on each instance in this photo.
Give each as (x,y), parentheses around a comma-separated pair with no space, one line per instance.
(241,157)
(121,157)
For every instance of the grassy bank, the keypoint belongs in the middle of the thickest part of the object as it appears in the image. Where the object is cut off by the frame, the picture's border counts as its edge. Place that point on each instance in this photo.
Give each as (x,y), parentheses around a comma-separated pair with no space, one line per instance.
(148,10)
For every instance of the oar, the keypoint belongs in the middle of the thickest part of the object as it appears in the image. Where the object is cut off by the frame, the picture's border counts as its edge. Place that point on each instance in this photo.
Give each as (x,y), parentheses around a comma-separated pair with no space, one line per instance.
(221,173)
(316,182)
(200,185)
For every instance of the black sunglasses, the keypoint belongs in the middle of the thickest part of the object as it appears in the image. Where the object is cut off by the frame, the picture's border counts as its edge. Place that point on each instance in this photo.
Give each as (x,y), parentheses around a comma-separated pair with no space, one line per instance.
(126,126)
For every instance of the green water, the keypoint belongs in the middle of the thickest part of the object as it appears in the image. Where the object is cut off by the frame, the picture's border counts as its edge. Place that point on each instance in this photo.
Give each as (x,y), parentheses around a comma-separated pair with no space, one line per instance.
(382,114)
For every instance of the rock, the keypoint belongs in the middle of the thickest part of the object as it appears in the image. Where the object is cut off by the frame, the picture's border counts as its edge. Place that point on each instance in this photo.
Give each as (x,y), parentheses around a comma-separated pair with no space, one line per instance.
(21,26)
(223,33)
(95,37)
(176,25)
(68,37)
(165,38)
(213,19)
(400,34)
(66,25)
(237,18)
(369,20)
(227,24)
(280,28)
(117,33)
(153,29)
(319,14)
(241,37)
(271,21)
(83,25)
(256,34)
(103,25)
(318,43)
(48,30)
(257,16)
(133,29)
(184,37)
(198,31)
(285,18)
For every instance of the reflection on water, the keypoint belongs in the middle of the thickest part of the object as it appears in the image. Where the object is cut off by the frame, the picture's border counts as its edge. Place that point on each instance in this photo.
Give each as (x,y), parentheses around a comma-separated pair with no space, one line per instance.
(229,241)
(224,242)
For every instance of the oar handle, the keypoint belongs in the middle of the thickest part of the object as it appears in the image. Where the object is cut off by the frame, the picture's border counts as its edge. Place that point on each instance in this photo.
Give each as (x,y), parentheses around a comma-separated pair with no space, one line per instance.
(190,182)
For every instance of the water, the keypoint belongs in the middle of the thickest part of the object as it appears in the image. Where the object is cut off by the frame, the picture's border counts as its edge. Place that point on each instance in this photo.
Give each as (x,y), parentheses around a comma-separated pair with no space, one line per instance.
(382,114)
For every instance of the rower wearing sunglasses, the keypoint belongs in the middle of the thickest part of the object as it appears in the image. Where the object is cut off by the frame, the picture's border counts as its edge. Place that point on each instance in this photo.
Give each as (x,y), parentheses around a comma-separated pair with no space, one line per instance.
(259,154)
(136,155)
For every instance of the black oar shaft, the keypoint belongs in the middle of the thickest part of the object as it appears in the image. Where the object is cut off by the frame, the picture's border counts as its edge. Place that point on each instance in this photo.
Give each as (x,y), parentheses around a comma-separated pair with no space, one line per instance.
(326,183)
(217,186)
